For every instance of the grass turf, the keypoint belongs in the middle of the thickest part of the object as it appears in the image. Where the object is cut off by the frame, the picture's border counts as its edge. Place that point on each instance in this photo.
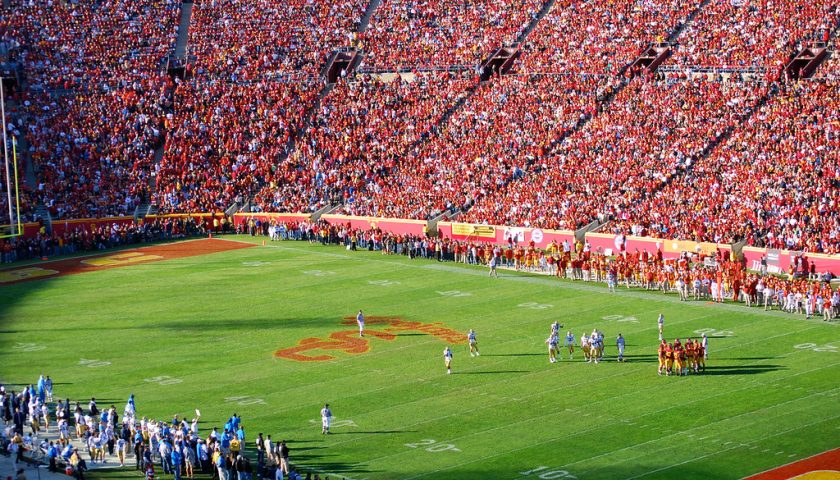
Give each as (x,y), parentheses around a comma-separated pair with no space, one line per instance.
(201,332)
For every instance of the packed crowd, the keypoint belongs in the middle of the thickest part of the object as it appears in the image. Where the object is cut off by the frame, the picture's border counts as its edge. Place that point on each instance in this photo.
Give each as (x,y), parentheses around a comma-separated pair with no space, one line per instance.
(84,43)
(94,151)
(98,237)
(435,33)
(651,131)
(775,182)
(600,37)
(226,139)
(251,39)
(755,33)
(505,125)
(67,435)
(364,129)
(241,125)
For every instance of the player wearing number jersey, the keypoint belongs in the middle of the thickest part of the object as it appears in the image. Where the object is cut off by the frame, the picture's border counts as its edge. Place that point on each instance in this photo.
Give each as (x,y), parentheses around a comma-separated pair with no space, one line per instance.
(447,359)
(584,345)
(570,343)
(473,344)
(662,356)
(552,342)
(360,319)
(326,419)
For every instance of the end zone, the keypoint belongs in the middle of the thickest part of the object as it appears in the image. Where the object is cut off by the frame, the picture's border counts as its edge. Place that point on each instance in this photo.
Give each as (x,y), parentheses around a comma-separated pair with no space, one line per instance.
(823,466)
(153,253)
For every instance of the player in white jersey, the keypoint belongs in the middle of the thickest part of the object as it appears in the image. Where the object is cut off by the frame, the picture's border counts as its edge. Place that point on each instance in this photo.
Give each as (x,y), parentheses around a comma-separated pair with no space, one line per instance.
(570,343)
(769,293)
(552,342)
(705,342)
(661,323)
(447,359)
(493,261)
(584,345)
(360,319)
(473,344)
(326,419)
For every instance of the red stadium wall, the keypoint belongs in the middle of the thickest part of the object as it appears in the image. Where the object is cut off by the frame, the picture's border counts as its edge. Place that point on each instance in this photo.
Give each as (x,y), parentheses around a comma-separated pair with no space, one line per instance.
(499,235)
(392,225)
(240,218)
(778,261)
(670,248)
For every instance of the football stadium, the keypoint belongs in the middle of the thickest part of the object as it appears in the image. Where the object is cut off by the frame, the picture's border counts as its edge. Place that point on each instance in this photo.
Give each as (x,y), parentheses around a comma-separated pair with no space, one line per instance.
(396,239)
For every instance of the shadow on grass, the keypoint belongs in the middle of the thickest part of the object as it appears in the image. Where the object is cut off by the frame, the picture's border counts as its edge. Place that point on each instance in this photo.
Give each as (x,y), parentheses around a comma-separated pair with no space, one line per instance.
(513,354)
(742,370)
(491,372)
(373,432)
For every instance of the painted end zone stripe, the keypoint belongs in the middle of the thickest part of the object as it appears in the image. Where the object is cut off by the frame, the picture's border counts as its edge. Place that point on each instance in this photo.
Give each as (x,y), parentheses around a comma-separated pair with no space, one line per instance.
(823,463)
(156,253)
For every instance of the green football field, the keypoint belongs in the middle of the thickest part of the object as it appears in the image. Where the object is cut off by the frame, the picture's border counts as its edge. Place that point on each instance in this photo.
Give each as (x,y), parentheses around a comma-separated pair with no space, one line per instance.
(202,332)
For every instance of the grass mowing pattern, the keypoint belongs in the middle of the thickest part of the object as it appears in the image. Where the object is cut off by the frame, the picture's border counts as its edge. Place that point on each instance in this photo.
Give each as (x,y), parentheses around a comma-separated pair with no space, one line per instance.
(214,321)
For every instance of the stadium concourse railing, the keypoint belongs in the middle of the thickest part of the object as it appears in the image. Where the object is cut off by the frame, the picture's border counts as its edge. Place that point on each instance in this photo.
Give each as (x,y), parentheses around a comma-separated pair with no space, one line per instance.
(778,261)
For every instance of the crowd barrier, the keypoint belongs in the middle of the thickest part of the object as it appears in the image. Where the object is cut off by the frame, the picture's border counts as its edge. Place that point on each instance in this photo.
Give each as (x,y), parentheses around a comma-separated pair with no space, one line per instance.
(500,235)
(612,244)
(240,218)
(392,225)
(778,261)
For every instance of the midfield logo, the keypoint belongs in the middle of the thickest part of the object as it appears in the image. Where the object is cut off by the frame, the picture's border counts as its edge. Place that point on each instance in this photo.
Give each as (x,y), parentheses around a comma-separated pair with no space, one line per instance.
(348,341)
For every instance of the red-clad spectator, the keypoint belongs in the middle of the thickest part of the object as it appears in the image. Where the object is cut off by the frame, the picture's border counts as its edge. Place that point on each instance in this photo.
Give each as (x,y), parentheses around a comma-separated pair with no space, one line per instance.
(650,132)
(598,36)
(250,39)
(775,182)
(225,140)
(437,33)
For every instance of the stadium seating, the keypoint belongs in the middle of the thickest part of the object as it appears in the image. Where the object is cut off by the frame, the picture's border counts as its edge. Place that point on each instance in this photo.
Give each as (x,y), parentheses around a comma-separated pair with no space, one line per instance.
(85,42)
(598,36)
(362,131)
(752,34)
(650,131)
(94,151)
(226,139)
(548,147)
(775,182)
(435,33)
(247,39)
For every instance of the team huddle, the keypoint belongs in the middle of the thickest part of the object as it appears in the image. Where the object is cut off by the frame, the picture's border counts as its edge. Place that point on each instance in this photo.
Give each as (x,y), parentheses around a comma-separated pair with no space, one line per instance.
(680,359)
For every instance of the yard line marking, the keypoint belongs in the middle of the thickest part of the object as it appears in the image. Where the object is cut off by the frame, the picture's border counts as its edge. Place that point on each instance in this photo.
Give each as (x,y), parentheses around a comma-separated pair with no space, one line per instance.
(579,433)
(725,450)
(600,401)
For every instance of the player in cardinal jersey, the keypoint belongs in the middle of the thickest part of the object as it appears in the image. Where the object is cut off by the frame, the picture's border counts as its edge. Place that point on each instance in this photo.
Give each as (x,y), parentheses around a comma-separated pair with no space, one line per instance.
(663,357)
(473,343)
